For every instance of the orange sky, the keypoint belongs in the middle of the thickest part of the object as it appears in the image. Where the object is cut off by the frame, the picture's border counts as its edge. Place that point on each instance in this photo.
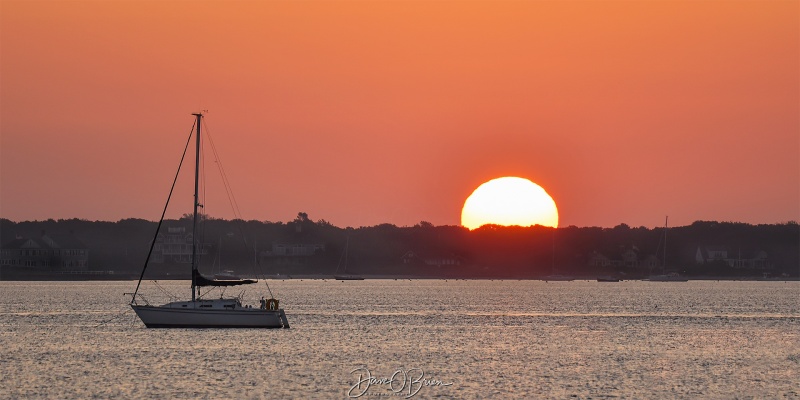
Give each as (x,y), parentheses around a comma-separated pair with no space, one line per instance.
(361,113)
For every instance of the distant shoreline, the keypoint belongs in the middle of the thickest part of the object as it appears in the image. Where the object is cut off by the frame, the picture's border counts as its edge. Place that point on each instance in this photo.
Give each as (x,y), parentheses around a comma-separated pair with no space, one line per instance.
(304,248)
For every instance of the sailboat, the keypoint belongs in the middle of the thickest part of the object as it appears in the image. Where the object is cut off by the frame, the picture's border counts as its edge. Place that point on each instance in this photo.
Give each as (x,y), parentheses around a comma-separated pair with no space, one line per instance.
(667,277)
(345,276)
(199,312)
(554,277)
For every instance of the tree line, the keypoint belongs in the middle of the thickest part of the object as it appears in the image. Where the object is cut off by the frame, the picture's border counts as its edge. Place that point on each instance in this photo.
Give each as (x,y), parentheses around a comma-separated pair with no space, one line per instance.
(439,251)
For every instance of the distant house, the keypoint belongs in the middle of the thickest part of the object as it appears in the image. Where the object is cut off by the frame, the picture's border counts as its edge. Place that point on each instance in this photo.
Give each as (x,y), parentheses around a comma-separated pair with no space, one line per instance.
(49,251)
(756,260)
(707,254)
(291,253)
(175,246)
(651,262)
(627,258)
(296,249)
(599,260)
(434,260)
(630,258)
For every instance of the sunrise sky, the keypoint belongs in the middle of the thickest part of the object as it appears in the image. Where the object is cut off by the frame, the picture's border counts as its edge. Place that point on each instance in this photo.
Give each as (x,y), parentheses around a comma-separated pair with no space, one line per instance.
(364,112)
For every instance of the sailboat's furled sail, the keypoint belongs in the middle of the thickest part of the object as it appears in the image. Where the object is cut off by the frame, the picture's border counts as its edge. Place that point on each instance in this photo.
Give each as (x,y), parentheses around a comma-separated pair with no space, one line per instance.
(201,280)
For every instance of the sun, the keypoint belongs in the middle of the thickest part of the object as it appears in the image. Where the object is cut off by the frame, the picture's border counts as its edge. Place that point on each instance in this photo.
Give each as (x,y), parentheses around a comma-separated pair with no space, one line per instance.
(509,201)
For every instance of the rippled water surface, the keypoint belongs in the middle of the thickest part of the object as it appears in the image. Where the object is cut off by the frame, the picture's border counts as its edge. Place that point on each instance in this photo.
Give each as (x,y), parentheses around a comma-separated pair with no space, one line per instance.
(466,339)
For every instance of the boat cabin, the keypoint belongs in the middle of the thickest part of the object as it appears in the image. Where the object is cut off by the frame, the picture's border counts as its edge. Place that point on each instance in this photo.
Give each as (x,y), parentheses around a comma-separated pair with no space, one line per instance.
(215,304)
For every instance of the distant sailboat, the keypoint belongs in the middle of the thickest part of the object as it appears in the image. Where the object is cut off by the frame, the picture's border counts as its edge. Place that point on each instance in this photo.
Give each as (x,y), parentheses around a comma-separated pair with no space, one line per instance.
(667,277)
(345,276)
(199,312)
(554,277)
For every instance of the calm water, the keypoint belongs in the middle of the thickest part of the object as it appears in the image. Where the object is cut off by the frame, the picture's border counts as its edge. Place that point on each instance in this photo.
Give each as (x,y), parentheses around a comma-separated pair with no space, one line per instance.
(478,339)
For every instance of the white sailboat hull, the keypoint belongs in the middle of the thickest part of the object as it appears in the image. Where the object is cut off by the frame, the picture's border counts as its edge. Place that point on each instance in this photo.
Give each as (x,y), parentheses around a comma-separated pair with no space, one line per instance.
(170,317)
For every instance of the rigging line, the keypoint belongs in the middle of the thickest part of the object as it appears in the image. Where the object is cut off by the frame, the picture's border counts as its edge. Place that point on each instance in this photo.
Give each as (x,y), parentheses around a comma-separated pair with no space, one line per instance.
(226,182)
(257,264)
(343,256)
(660,241)
(207,292)
(112,318)
(161,220)
(170,296)
(237,212)
(235,206)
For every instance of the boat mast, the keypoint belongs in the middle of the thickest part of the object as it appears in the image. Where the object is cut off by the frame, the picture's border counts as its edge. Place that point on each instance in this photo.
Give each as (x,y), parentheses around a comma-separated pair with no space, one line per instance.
(196,204)
(666,222)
